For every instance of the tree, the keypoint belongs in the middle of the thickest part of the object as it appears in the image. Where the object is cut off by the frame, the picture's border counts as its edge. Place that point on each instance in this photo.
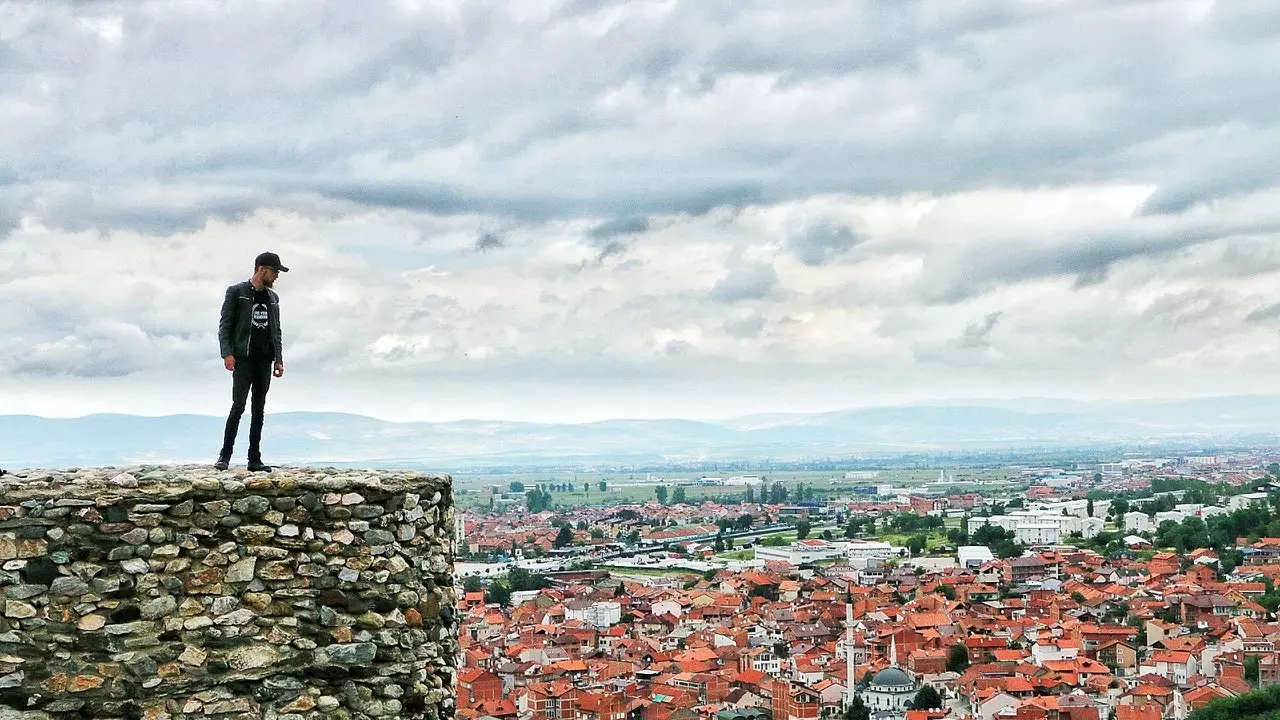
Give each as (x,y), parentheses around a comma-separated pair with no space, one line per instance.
(678,498)
(998,539)
(586,488)
(517,486)
(802,528)
(916,544)
(521,579)
(497,594)
(751,494)
(778,494)
(661,492)
(927,698)
(472,584)
(564,538)
(745,521)
(604,486)
(1252,670)
(958,658)
(1249,706)
(856,710)
(537,500)
(1088,504)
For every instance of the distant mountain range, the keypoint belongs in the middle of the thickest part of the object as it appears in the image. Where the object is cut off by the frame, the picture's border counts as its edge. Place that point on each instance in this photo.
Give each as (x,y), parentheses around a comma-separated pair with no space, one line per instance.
(334,438)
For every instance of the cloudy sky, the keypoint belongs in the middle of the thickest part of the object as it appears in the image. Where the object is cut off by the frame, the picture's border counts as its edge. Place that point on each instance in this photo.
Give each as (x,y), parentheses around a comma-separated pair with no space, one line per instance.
(579,209)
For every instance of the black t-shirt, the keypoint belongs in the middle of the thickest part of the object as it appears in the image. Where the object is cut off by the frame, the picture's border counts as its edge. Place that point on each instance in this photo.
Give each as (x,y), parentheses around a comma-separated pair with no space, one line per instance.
(260,344)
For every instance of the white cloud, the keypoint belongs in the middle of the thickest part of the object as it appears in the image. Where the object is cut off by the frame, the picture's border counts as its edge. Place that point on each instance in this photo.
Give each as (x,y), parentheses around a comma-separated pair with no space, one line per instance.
(583,208)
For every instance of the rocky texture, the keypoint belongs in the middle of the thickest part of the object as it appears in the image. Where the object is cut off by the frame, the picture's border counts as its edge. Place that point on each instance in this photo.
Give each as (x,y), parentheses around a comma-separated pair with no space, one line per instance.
(182,593)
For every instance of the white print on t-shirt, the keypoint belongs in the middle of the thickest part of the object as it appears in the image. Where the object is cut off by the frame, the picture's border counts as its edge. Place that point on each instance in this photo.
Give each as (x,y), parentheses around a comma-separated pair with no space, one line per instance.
(260,316)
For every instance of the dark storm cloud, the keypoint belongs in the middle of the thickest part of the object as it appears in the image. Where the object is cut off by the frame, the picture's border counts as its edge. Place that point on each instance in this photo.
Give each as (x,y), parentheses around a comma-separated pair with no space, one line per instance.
(490,241)
(1264,313)
(1088,256)
(620,226)
(613,237)
(823,243)
(686,107)
(978,334)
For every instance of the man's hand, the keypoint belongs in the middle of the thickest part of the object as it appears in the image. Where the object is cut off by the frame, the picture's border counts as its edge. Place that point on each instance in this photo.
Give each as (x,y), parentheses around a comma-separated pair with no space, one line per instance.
(230,362)
(279,370)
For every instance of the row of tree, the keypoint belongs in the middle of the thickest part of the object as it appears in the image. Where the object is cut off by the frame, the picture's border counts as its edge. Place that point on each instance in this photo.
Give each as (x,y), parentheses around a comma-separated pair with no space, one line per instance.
(519,487)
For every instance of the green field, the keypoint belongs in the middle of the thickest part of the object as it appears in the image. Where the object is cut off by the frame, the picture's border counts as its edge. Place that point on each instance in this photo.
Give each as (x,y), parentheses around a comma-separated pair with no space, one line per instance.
(474,491)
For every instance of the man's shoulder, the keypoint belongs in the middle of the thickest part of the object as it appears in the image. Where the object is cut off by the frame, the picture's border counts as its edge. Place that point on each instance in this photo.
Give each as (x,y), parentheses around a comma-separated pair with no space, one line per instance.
(237,287)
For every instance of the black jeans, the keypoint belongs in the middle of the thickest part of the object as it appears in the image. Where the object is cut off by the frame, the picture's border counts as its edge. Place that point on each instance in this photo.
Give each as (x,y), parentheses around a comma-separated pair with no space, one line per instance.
(251,373)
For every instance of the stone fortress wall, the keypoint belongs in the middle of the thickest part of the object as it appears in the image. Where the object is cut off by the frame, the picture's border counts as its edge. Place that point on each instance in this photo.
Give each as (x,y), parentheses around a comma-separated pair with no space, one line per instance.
(182,593)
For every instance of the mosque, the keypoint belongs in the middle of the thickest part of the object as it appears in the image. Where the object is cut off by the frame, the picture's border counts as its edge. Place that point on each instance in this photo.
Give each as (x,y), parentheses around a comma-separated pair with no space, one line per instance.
(890,691)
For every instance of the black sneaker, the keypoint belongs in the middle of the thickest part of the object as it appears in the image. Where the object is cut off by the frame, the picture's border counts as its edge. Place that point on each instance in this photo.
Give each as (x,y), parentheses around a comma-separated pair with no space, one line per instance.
(258,466)
(221,464)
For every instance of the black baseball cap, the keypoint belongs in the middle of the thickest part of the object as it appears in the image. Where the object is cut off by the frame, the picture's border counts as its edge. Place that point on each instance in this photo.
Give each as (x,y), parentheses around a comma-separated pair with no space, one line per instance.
(270,260)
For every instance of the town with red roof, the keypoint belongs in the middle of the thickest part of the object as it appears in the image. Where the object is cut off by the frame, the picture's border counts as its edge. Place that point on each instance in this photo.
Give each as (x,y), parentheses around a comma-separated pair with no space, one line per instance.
(1119,591)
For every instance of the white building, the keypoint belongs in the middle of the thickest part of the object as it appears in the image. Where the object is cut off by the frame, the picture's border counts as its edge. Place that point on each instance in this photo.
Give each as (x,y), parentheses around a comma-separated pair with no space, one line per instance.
(1239,502)
(1044,525)
(1052,649)
(1090,527)
(1168,515)
(872,549)
(973,555)
(600,614)
(801,552)
(890,692)
(1038,532)
(1201,460)
(1135,521)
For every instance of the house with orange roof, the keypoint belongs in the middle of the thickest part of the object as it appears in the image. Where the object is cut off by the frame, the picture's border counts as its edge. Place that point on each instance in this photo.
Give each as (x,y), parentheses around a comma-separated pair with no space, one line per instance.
(556,700)
(1148,693)
(1203,695)
(1175,665)
(795,701)
(594,705)
(1119,654)
(476,686)
(1143,711)
(927,662)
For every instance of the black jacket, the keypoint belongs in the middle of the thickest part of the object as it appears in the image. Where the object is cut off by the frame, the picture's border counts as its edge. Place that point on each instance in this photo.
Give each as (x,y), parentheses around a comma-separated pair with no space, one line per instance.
(234,325)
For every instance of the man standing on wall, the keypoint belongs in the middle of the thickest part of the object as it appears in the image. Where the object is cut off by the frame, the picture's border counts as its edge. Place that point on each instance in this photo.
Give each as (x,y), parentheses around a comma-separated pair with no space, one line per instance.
(252,349)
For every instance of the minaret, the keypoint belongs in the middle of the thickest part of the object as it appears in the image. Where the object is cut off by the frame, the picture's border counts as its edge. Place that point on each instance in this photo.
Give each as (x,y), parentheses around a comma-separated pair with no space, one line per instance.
(893,651)
(850,670)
